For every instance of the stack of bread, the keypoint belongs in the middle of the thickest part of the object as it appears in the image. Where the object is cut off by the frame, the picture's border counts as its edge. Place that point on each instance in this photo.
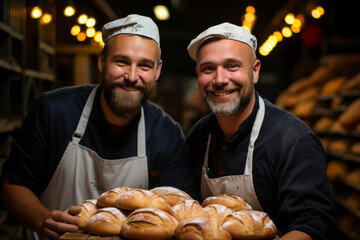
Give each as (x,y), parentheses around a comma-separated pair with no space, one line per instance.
(169,213)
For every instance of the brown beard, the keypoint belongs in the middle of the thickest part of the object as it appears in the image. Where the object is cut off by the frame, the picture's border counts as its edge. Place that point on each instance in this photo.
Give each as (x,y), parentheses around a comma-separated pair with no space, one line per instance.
(123,104)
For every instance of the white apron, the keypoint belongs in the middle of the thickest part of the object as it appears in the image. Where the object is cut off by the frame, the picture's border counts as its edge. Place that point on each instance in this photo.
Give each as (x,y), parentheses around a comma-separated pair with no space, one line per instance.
(241,185)
(82,174)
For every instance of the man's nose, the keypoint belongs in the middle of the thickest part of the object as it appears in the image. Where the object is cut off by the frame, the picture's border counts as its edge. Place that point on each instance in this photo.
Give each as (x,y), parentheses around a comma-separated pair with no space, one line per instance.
(220,77)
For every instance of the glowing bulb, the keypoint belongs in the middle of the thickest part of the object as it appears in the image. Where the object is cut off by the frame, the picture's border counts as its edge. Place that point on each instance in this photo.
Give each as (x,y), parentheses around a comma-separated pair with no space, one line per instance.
(286,32)
(90,32)
(75,30)
(90,22)
(289,18)
(98,36)
(69,11)
(45,19)
(161,12)
(250,9)
(81,37)
(82,19)
(36,12)
(278,35)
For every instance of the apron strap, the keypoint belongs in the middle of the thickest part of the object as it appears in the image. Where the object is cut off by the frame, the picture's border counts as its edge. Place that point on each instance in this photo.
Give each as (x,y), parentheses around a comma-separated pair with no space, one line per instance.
(80,130)
(254,135)
(141,137)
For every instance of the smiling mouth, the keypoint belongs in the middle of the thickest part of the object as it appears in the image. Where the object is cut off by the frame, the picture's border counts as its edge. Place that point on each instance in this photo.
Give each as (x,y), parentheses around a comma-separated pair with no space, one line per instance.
(222,93)
(129,88)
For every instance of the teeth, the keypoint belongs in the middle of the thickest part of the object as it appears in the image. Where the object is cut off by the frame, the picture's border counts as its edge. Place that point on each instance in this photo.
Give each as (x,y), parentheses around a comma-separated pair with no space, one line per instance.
(129,88)
(222,93)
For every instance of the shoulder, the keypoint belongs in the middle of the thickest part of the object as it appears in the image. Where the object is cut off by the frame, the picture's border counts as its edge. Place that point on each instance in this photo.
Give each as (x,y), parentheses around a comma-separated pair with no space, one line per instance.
(284,124)
(158,120)
(200,128)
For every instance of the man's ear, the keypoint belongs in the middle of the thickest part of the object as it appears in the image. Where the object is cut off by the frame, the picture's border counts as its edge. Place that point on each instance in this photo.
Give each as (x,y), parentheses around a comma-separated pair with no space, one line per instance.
(158,70)
(256,70)
(101,61)
(197,70)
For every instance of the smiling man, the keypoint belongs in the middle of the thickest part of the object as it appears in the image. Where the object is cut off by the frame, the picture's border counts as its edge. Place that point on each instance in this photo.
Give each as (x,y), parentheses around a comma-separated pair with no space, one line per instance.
(79,142)
(249,147)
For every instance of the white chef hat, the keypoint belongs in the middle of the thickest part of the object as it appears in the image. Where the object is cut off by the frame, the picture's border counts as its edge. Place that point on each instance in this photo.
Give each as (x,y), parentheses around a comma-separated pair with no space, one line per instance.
(132,24)
(223,30)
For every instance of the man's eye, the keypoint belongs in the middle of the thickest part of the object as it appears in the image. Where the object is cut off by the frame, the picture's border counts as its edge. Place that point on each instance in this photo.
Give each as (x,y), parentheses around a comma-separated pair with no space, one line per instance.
(207,69)
(232,66)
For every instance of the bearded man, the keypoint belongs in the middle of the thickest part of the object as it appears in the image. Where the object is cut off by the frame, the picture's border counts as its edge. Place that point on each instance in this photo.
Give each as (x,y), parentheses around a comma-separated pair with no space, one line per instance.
(79,142)
(250,148)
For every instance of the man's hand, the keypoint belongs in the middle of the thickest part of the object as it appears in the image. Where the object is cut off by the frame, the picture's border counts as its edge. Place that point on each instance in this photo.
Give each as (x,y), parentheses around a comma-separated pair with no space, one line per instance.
(57,223)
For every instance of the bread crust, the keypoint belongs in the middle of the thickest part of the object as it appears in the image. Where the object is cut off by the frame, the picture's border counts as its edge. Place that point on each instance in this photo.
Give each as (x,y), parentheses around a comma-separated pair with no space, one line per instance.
(231,201)
(218,211)
(88,208)
(108,198)
(106,222)
(149,223)
(187,209)
(139,198)
(250,224)
(171,194)
(201,229)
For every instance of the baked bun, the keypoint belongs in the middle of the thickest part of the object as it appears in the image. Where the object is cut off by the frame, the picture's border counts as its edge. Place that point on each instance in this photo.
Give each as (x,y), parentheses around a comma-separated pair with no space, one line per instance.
(201,229)
(187,209)
(231,201)
(218,211)
(250,224)
(139,198)
(171,194)
(149,223)
(88,208)
(108,198)
(106,222)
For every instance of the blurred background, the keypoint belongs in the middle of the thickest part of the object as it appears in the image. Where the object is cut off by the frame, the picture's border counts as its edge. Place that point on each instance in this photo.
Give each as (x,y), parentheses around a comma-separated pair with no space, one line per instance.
(309,51)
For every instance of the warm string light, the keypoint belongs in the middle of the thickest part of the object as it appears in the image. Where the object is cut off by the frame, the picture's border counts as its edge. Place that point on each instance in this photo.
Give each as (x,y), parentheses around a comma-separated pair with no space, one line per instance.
(249,18)
(161,12)
(294,25)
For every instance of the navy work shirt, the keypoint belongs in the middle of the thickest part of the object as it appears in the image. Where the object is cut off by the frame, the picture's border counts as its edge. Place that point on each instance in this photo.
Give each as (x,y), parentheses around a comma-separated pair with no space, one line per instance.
(289,168)
(49,127)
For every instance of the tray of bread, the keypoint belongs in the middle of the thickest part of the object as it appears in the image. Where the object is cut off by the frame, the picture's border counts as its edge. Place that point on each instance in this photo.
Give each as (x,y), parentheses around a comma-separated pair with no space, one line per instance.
(169,213)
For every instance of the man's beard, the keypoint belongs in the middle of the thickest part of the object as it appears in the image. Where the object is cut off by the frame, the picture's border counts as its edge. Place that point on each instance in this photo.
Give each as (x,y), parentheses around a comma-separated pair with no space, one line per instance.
(226,108)
(124,104)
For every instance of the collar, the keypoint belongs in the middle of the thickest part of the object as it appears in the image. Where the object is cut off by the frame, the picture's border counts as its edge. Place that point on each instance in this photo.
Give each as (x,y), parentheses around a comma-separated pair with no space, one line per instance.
(243,131)
(97,116)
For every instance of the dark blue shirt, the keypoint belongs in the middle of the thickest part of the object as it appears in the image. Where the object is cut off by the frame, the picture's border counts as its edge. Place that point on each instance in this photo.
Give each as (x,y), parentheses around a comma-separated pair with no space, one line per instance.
(49,127)
(289,168)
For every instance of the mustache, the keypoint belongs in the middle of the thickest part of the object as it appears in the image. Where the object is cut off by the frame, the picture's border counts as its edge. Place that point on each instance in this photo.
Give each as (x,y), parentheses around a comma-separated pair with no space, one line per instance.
(127,83)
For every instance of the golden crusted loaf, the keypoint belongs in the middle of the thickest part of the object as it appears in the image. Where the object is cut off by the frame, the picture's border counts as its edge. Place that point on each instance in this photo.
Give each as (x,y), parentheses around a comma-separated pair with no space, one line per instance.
(218,211)
(187,209)
(351,117)
(139,198)
(250,224)
(171,195)
(201,229)
(108,198)
(88,208)
(106,222)
(231,201)
(149,223)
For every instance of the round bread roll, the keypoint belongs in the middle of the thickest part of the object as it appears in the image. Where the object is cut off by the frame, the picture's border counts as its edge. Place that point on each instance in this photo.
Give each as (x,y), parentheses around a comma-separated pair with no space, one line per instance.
(201,229)
(171,194)
(108,198)
(351,117)
(333,85)
(140,198)
(354,177)
(187,209)
(218,211)
(323,124)
(250,224)
(355,148)
(340,145)
(88,208)
(149,223)
(231,201)
(336,169)
(106,222)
